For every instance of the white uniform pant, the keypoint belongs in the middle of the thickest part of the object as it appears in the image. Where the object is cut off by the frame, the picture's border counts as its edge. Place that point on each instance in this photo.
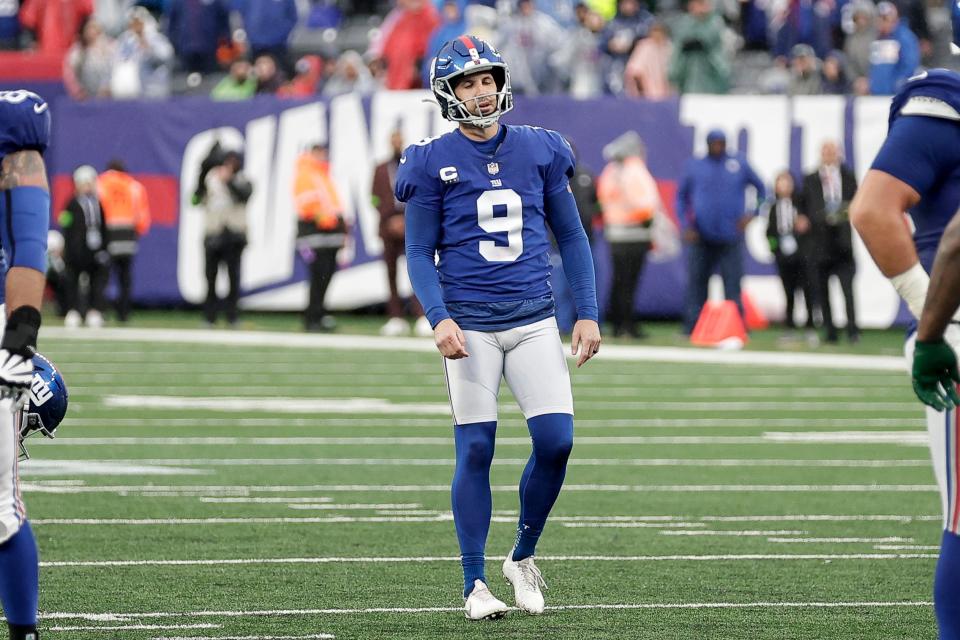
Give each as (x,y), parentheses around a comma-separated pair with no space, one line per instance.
(944,445)
(12,511)
(530,358)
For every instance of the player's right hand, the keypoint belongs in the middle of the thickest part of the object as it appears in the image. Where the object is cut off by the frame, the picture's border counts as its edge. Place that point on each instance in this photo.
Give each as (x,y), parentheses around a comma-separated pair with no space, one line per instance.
(450,340)
(16,375)
(935,374)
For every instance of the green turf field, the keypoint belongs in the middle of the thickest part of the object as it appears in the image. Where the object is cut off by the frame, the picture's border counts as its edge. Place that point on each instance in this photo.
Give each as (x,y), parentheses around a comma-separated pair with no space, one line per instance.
(209,490)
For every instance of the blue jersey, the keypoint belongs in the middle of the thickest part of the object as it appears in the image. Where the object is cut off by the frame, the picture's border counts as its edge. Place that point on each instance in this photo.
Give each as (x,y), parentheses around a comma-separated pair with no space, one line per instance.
(922,149)
(493,243)
(24,125)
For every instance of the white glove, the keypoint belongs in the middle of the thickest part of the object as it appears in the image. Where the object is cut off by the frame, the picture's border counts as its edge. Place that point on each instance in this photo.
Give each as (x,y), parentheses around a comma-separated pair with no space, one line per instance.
(16,375)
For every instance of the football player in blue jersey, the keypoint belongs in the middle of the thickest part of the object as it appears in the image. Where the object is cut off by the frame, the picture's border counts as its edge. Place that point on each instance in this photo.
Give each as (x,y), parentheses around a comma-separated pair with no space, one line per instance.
(24,220)
(918,171)
(482,197)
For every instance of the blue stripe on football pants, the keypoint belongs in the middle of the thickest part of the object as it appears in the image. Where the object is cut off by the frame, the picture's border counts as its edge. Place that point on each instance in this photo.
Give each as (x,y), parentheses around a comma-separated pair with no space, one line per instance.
(19,578)
(946,587)
(542,478)
(470,496)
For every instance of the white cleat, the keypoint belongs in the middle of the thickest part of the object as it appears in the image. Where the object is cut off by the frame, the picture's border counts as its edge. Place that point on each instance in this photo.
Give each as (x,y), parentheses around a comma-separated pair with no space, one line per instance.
(73,319)
(527,581)
(422,328)
(396,327)
(482,605)
(94,319)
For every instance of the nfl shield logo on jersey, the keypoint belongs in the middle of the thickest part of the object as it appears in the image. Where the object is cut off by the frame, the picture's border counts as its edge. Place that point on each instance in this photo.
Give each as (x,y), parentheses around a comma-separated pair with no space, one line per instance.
(493,168)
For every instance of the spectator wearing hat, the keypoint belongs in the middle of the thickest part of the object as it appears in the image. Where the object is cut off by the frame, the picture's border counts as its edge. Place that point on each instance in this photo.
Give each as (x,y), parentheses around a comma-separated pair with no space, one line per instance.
(85,251)
(712,212)
(699,63)
(646,71)
(833,75)
(858,43)
(630,26)
(895,55)
(268,24)
(528,39)
(804,72)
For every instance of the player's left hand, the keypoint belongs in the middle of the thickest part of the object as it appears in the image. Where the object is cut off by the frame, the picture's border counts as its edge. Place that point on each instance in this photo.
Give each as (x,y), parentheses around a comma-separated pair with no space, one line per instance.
(16,374)
(935,374)
(586,340)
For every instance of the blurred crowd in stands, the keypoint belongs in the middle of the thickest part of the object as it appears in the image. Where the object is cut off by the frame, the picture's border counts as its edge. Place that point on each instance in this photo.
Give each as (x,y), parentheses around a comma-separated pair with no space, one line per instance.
(234,49)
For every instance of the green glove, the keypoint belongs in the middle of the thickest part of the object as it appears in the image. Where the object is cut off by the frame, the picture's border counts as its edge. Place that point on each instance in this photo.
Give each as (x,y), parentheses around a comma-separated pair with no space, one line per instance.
(935,375)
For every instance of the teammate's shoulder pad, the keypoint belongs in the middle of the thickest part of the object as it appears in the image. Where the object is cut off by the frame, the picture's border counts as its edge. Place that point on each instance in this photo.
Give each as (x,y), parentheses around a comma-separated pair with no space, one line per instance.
(934,86)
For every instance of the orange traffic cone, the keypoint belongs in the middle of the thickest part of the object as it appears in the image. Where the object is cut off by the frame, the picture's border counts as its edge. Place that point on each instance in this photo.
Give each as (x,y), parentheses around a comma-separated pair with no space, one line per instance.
(719,324)
(753,317)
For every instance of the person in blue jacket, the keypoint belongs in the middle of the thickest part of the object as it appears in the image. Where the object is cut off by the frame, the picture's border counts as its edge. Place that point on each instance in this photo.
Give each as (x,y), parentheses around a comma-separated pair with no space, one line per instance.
(895,55)
(268,24)
(712,212)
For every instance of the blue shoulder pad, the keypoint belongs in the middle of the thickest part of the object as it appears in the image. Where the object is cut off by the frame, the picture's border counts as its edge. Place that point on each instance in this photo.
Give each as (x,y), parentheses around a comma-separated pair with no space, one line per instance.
(24,122)
(414,181)
(939,84)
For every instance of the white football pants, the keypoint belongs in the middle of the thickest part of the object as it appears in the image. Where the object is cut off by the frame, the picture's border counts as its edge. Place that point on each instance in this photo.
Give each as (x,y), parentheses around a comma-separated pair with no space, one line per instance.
(530,358)
(944,447)
(12,511)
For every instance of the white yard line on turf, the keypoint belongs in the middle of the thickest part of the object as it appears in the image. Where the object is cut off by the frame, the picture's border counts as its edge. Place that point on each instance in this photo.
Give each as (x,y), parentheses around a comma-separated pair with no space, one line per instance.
(187,491)
(906,547)
(421,345)
(573,607)
(139,627)
(747,557)
(52,464)
(853,437)
(444,422)
(273,404)
(314,636)
(733,533)
(838,540)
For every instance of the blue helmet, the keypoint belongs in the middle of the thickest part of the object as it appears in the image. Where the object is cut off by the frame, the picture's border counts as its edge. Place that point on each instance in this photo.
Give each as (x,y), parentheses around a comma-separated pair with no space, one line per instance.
(461,57)
(47,404)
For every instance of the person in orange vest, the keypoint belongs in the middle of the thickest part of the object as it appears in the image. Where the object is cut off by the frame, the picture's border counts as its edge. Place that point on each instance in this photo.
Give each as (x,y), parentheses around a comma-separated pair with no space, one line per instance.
(321,231)
(629,200)
(127,215)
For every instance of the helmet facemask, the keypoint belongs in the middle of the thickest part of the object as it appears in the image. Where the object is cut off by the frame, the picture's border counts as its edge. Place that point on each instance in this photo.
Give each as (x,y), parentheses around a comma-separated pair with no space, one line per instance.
(30,424)
(456,110)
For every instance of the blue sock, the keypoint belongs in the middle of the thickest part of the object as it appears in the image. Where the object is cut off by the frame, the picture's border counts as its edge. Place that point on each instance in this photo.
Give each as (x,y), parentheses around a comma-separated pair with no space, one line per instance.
(20,578)
(946,587)
(542,478)
(470,496)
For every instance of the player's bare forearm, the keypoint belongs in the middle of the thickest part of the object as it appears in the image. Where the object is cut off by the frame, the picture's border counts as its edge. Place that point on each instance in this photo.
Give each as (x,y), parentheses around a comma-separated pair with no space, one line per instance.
(23,169)
(877,213)
(943,296)
(585,339)
(24,288)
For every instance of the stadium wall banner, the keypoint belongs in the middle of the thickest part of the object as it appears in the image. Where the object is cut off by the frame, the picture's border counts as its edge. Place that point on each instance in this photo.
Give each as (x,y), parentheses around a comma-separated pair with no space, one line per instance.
(163,143)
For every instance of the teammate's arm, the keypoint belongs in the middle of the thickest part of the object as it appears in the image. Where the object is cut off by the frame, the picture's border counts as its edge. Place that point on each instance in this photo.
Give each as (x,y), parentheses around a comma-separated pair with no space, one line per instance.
(943,296)
(908,163)
(25,189)
(564,220)
(422,234)
(24,176)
